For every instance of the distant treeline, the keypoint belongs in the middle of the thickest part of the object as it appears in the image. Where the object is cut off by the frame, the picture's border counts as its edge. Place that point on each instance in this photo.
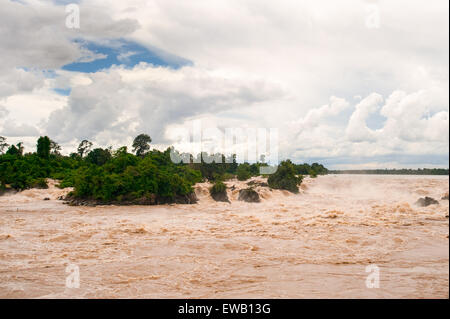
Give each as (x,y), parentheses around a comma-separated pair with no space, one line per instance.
(403,171)
(147,176)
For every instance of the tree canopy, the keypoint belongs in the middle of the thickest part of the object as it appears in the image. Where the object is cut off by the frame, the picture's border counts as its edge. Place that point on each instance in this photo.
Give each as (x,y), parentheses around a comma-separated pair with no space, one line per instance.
(84,147)
(285,177)
(43,147)
(3,144)
(141,144)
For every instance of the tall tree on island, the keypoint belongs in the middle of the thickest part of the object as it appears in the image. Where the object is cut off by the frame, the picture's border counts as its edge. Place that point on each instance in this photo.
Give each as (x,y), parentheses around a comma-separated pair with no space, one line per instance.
(3,144)
(141,144)
(43,147)
(84,147)
(55,148)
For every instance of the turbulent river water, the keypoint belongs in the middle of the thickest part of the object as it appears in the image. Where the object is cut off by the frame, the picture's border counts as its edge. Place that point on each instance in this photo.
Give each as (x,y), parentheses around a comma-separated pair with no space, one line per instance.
(315,244)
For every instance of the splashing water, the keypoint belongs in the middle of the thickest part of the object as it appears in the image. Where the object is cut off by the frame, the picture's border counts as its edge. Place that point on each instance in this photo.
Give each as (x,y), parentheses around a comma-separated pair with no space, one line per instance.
(315,244)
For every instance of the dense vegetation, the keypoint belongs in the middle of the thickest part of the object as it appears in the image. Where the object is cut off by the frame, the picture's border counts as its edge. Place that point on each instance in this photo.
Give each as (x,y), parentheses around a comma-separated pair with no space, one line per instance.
(29,170)
(243,172)
(218,187)
(107,175)
(285,177)
(313,170)
(126,177)
(420,171)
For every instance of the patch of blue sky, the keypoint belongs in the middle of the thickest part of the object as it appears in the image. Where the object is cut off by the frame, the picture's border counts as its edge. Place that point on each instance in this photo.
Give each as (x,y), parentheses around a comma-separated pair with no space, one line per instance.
(430,113)
(105,54)
(64,92)
(375,121)
(49,74)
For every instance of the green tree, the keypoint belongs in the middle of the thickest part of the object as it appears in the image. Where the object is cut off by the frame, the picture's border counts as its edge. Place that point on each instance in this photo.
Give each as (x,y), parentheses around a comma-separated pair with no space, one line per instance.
(15,149)
(3,144)
(12,150)
(219,192)
(285,177)
(20,148)
(141,144)
(98,156)
(243,172)
(84,147)
(123,150)
(218,187)
(43,147)
(55,148)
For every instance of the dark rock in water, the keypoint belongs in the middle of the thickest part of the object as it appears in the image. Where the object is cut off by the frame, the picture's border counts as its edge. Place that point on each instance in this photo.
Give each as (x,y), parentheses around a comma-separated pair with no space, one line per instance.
(249,195)
(219,192)
(426,201)
(220,196)
(7,191)
(187,199)
(46,198)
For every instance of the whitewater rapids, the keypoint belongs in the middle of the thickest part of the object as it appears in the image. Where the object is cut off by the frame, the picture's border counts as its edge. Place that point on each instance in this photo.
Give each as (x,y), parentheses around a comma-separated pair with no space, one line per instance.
(315,244)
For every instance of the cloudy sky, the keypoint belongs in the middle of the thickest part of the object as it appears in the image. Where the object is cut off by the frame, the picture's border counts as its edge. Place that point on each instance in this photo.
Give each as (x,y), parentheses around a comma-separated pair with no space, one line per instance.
(351,84)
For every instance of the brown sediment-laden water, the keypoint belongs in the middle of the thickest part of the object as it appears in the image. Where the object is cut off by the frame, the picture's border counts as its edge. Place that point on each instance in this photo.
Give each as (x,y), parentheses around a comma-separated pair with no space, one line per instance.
(315,244)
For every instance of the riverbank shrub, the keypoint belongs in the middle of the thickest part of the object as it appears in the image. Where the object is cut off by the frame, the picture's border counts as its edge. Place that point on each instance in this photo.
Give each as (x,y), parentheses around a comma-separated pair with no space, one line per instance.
(285,177)
(218,187)
(219,192)
(243,172)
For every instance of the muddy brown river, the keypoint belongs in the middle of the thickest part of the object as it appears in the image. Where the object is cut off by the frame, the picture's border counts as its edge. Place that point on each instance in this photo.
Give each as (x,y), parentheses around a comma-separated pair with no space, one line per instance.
(315,244)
